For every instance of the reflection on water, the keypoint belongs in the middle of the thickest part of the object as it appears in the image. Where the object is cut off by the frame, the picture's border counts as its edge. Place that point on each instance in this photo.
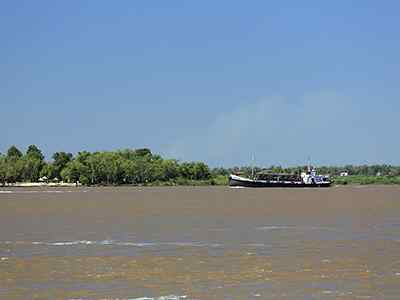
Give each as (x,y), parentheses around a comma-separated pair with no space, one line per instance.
(200,243)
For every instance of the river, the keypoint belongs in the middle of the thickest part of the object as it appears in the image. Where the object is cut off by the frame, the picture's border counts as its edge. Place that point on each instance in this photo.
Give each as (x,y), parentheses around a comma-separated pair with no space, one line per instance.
(200,243)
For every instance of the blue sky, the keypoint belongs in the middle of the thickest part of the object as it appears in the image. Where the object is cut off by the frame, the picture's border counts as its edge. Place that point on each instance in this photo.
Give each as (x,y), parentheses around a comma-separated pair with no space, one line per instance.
(215,81)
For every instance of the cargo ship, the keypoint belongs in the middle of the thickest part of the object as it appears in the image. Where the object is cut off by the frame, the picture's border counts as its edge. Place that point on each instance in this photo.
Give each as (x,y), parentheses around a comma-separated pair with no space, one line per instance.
(310,178)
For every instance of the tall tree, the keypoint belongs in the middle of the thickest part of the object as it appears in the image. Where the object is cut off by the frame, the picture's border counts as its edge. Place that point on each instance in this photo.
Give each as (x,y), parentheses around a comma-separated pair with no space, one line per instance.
(76,171)
(61,159)
(34,152)
(31,169)
(3,169)
(14,169)
(13,152)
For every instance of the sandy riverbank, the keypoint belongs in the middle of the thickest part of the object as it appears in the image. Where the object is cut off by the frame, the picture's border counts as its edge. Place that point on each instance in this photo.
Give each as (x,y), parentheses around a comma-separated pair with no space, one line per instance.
(40,184)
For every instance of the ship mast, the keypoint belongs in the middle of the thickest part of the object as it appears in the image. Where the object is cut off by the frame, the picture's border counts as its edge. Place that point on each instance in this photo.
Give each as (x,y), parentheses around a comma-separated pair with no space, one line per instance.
(252,166)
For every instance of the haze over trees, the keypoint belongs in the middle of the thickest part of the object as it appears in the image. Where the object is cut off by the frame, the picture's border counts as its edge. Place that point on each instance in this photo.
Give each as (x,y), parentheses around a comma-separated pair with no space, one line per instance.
(141,166)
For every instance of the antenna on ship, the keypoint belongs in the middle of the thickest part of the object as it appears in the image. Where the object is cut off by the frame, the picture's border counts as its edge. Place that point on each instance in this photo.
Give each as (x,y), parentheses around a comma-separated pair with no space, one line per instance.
(252,166)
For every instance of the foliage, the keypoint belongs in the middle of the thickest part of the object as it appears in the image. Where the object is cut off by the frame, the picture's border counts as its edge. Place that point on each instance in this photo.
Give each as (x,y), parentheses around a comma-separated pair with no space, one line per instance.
(48,171)
(61,159)
(33,162)
(14,169)
(139,167)
(13,152)
(220,180)
(142,167)
(362,180)
(32,167)
(3,169)
(34,152)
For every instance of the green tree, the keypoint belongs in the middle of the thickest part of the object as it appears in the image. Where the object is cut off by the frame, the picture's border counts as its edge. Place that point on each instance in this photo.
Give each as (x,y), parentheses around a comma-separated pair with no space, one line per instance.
(73,171)
(14,169)
(31,169)
(34,152)
(195,171)
(117,169)
(3,169)
(169,169)
(129,167)
(60,160)
(33,164)
(141,170)
(110,168)
(48,171)
(13,152)
(202,172)
(143,152)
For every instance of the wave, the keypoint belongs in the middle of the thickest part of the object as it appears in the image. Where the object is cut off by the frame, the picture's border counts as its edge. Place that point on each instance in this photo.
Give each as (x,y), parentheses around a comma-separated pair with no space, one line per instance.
(169,297)
(274,227)
(113,243)
(41,192)
(129,244)
(293,227)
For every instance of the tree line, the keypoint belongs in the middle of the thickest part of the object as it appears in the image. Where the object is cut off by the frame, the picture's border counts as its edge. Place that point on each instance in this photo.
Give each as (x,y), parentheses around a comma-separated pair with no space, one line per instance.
(351,170)
(140,166)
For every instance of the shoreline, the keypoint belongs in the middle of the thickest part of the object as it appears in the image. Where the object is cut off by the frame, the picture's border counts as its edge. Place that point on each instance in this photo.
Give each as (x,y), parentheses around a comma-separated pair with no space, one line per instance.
(73,185)
(40,184)
(351,180)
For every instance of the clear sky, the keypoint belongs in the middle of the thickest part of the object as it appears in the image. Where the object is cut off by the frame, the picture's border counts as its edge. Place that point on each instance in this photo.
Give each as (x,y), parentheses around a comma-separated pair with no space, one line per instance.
(215,81)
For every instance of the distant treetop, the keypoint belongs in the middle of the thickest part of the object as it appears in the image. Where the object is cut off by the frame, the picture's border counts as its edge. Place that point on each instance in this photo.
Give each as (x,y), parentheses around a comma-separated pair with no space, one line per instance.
(13,152)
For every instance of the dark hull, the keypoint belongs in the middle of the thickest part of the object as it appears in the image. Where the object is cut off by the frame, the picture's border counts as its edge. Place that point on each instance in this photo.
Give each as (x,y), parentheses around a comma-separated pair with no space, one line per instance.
(267,184)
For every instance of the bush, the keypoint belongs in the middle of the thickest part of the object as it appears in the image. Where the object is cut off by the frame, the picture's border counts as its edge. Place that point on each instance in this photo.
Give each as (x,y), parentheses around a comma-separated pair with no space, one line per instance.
(365,180)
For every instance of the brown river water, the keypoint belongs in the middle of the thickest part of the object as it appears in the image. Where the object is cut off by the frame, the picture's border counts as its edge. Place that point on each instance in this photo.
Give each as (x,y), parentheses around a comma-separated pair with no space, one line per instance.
(200,243)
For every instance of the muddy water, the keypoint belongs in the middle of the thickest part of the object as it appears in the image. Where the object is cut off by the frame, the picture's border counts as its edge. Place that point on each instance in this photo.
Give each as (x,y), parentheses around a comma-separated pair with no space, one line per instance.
(200,243)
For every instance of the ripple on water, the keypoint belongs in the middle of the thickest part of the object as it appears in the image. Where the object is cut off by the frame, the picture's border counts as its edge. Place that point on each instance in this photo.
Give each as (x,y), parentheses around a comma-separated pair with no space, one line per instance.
(113,242)
(41,191)
(169,297)
(293,227)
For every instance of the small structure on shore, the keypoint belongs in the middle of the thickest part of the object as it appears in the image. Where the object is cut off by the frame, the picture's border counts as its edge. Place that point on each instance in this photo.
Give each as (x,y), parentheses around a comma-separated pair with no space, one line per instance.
(43,179)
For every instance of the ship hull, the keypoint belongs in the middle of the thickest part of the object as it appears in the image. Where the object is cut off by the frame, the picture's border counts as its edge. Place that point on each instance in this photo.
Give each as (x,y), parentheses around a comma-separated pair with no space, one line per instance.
(236,181)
